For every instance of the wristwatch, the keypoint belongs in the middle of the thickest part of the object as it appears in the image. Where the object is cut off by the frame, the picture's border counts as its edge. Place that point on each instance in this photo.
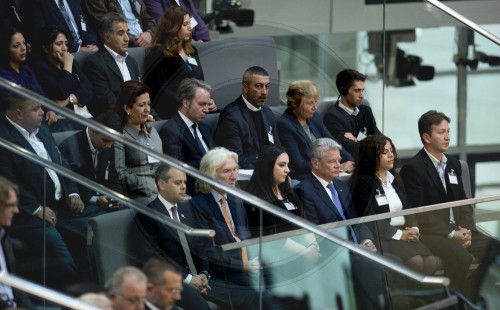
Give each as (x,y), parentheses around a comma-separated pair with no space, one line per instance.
(206,274)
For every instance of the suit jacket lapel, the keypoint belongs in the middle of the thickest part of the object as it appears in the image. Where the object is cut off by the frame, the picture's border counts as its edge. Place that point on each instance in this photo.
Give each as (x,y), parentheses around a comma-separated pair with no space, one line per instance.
(325,199)
(207,137)
(110,62)
(432,172)
(245,113)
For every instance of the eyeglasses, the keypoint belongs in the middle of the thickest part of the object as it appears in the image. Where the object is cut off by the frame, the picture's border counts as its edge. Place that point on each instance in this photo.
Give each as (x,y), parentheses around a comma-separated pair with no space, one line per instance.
(174,290)
(133,300)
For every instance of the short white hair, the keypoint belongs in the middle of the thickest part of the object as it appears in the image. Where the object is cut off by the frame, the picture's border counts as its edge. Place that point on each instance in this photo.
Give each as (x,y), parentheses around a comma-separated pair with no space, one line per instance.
(213,160)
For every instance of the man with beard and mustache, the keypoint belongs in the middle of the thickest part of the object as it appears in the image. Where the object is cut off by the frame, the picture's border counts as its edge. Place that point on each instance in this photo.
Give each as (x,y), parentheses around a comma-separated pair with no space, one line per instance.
(246,124)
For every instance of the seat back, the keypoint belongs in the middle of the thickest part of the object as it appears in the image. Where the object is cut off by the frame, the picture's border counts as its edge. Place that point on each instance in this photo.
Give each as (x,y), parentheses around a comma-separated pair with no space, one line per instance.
(81,57)
(211,120)
(224,63)
(466,178)
(117,241)
(139,54)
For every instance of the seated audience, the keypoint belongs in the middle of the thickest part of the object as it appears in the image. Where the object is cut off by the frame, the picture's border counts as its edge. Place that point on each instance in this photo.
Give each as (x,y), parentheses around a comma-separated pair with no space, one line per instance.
(156,8)
(432,177)
(90,154)
(246,124)
(9,297)
(61,77)
(270,181)
(184,136)
(13,54)
(376,188)
(66,14)
(127,289)
(170,59)
(44,196)
(111,65)
(326,199)
(300,126)
(142,26)
(349,121)
(135,168)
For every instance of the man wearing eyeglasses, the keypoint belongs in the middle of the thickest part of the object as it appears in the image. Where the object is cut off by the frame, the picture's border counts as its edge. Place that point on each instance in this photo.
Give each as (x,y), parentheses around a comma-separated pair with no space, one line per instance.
(127,289)
(164,284)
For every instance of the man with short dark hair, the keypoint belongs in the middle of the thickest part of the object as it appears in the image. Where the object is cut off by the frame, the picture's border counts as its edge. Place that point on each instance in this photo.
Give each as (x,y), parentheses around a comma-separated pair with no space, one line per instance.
(91,154)
(431,177)
(108,68)
(350,121)
(246,124)
(9,208)
(184,136)
(164,285)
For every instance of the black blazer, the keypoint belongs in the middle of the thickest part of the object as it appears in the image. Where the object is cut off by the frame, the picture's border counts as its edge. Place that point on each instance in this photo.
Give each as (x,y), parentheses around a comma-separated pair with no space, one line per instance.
(319,208)
(76,153)
(29,176)
(178,142)
(424,187)
(209,216)
(165,240)
(164,74)
(363,195)
(339,122)
(59,84)
(236,131)
(298,145)
(102,70)
(39,13)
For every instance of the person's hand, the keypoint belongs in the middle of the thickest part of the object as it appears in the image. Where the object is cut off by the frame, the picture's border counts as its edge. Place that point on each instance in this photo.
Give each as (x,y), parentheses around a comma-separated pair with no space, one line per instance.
(200,283)
(466,236)
(350,136)
(76,204)
(252,267)
(107,204)
(369,246)
(49,216)
(67,60)
(410,234)
(150,119)
(212,107)
(89,48)
(143,39)
(51,117)
(348,166)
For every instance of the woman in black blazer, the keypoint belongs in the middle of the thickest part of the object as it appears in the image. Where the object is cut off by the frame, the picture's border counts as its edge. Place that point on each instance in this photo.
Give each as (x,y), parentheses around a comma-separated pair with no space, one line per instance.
(171,59)
(377,188)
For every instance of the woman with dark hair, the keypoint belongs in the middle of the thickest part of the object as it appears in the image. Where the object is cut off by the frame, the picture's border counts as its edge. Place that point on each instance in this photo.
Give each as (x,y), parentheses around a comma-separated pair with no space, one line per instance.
(270,182)
(377,188)
(300,126)
(135,168)
(13,54)
(171,59)
(60,75)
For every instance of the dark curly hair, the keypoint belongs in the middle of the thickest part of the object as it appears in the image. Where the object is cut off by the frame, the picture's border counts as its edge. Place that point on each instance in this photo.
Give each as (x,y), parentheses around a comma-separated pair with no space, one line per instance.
(368,155)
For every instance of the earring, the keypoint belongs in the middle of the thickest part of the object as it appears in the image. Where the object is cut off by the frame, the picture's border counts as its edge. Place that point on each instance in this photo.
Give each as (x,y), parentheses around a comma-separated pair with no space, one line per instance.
(128,113)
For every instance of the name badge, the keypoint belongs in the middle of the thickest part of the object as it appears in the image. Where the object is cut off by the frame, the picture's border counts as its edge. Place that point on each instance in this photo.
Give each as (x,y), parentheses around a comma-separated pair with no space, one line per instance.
(270,135)
(192,61)
(290,206)
(194,23)
(361,135)
(452,177)
(381,199)
(83,24)
(152,159)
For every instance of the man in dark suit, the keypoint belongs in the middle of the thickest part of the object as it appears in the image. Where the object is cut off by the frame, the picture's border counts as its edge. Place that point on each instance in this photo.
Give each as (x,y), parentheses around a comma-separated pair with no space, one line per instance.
(142,26)
(111,65)
(184,136)
(326,199)
(350,121)
(431,177)
(246,124)
(44,196)
(8,208)
(164,286)
(67,14)
(91,155)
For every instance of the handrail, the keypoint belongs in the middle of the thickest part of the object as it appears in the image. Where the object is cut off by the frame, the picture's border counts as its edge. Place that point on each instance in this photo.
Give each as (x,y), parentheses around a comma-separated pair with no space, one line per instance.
(102,189)
(260,203)
(43,292)
(360,220)
(464,20)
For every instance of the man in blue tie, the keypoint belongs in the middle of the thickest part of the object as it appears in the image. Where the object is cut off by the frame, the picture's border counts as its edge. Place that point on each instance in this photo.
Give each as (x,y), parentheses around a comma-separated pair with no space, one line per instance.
(184,136)
(326,199)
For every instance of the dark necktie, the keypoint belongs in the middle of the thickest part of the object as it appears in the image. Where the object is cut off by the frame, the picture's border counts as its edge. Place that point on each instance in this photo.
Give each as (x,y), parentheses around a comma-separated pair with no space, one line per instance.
(338,206)
(65,14)
(198,141)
